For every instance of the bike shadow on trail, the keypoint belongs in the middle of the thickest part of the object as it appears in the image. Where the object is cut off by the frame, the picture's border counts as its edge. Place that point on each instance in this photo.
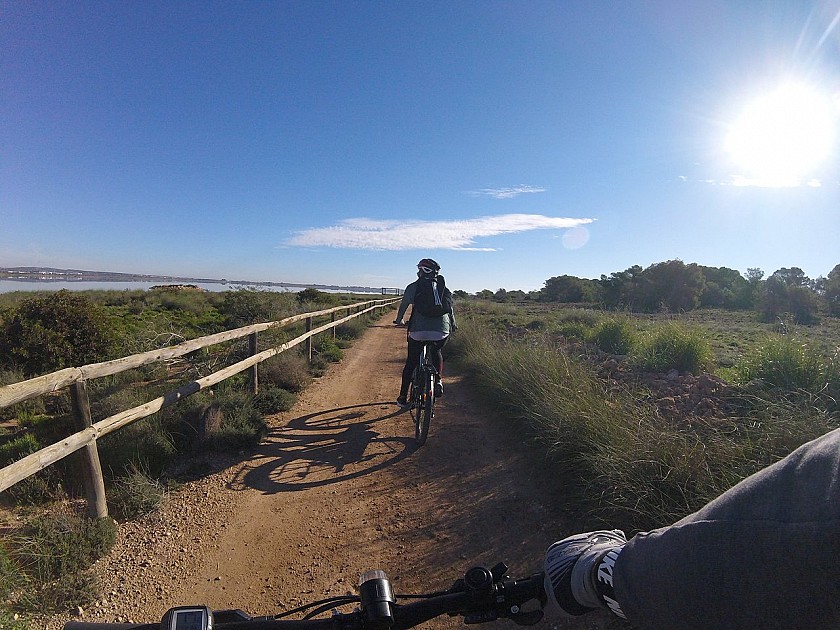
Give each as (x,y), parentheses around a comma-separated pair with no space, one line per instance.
(322,448)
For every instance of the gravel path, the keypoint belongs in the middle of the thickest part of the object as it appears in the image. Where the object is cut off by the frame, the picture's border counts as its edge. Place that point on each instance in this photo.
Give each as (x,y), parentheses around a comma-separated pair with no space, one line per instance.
(335,489)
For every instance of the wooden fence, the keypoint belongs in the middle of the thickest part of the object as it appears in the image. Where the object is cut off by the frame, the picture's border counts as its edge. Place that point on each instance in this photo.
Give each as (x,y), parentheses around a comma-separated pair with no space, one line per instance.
(88,432)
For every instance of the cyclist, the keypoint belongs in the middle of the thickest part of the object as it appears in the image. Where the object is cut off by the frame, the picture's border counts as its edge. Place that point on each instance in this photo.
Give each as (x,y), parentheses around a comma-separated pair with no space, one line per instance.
(423,327)
(764,554)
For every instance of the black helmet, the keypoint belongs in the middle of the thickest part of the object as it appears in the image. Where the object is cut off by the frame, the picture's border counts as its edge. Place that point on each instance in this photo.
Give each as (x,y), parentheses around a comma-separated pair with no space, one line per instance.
(428,266)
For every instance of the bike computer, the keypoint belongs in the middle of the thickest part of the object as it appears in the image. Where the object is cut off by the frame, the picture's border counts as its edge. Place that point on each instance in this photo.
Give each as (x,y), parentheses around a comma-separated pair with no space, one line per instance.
(187,618)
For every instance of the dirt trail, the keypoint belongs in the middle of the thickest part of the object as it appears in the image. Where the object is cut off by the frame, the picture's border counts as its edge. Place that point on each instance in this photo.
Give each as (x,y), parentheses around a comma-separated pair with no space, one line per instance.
(337,488)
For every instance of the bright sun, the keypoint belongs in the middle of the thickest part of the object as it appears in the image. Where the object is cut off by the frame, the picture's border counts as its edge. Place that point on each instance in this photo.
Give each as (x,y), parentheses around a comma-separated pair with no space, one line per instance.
(781,136)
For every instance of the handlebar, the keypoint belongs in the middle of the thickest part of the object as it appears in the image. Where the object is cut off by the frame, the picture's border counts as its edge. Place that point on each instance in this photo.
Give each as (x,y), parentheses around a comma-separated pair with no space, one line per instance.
(481,596)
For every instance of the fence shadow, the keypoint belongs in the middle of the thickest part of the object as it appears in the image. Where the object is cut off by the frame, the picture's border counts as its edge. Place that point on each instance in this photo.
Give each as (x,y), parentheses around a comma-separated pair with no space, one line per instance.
(322,448)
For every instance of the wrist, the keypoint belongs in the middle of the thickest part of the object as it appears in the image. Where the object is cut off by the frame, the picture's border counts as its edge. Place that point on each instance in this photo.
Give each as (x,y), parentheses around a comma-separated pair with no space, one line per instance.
(592,580)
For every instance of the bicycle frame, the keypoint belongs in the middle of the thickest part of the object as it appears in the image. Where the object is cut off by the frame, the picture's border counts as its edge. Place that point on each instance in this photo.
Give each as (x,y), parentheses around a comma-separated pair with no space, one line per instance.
(423,394)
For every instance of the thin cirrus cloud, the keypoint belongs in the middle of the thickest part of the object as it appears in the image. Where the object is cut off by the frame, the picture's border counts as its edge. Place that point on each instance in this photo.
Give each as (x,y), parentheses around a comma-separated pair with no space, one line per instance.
(506,193)
(371,234)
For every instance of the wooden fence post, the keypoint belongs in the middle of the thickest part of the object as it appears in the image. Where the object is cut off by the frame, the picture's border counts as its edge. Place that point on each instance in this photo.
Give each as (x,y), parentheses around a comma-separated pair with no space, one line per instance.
(253,373)
(309,340)
(333,328)
(97,506)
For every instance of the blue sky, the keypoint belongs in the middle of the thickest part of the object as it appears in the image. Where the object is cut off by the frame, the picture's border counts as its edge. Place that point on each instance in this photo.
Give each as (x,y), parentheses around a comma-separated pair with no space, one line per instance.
(340,142)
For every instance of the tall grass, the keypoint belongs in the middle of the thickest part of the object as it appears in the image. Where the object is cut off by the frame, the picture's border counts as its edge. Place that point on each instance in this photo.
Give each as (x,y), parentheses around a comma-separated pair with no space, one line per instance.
(616,335)
(617,458)
(784,363)
(675,346)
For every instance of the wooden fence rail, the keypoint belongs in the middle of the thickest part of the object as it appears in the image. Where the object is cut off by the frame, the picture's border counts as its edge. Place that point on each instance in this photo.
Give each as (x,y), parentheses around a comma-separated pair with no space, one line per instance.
(89,431)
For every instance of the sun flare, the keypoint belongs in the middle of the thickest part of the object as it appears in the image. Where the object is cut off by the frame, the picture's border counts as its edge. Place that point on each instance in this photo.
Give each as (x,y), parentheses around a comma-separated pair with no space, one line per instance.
(782,136)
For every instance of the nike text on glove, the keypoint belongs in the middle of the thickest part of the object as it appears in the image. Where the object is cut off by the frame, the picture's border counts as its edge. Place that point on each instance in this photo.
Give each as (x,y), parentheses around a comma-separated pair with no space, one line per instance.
(578,573)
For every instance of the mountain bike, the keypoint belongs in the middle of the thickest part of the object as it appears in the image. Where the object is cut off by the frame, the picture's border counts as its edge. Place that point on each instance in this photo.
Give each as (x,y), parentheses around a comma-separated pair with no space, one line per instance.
(421,393)
(481,596)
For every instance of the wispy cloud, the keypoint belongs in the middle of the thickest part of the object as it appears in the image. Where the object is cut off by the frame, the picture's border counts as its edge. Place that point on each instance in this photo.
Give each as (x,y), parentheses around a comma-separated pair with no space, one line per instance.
(506,193)
(373,234)
(741,181)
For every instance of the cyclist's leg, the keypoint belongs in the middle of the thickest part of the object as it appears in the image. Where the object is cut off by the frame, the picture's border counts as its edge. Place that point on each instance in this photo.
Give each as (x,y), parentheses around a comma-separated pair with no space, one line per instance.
(437,361)
(412,358)
(763,554)
(437,354)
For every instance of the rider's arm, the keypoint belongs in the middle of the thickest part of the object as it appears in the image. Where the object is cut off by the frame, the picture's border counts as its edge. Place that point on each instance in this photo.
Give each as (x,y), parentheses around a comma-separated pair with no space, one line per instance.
(762,555)
(407,300)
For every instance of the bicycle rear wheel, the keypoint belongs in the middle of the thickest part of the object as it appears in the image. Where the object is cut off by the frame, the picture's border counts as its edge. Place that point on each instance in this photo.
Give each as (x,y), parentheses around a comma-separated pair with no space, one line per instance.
(424,410)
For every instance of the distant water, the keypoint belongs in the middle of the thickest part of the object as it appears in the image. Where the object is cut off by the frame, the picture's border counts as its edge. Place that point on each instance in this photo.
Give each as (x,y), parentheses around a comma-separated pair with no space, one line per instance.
(7,286)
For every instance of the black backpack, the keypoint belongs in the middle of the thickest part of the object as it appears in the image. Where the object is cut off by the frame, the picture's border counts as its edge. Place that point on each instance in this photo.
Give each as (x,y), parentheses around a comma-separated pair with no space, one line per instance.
(432,298)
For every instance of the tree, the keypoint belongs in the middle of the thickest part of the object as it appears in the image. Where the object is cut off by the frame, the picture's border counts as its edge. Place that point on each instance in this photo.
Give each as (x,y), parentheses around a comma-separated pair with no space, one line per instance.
(60,330)
(725,288)
(500,296)
(789,292)
(672,285)
(569,289)
(831,291)
(620,289)
(792,277)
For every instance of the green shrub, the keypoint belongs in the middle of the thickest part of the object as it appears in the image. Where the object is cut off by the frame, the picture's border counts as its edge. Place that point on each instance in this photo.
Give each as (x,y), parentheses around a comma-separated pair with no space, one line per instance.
(49,333)
(57,596)
(615,335)
(134,495)
(62,544)
(10,577)
(352,329)
(37,489)
(242,424)
(146,444)
(784,363)
(27,408)
(288,370)
(574,329)
(9,622)
(271,400)
(329,350)
(674,346)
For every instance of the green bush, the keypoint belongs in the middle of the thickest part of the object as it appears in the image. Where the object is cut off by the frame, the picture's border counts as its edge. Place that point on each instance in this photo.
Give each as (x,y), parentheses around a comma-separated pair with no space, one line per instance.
(63,329)
(242,424)
(146,444)
(45,566)
(10,577)
(57,596)
(271,400)
(9,622)
(134,495)
(674,346)
(37,489)
(574,329)
(24,409)
(288,370)
(352,329)
(62,544)
(615,335)
(329,350)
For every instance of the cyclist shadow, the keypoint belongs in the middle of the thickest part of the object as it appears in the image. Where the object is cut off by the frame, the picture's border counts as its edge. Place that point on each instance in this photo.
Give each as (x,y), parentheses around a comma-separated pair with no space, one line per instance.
(323,448)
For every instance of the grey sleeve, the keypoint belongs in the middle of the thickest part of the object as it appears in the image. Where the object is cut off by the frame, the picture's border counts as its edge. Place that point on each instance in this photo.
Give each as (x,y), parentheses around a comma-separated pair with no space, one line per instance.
(762,555)
(407,299)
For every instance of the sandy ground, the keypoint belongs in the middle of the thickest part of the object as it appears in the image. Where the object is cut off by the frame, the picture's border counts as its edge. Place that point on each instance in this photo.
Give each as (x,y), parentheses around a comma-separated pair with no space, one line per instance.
(335,489)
